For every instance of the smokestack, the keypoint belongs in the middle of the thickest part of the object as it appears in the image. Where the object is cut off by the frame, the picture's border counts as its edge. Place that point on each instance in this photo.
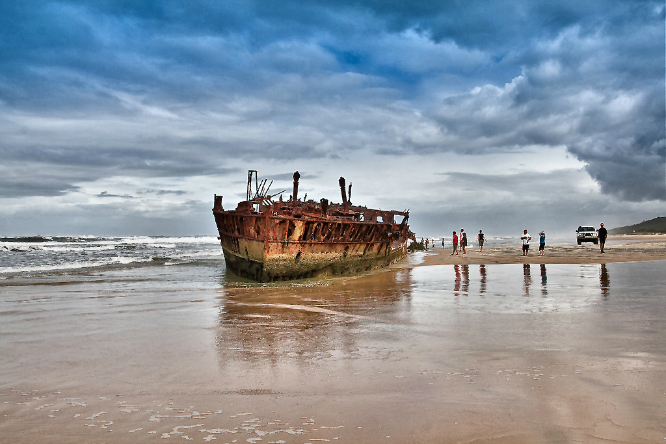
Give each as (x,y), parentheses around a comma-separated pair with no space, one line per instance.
(343,191)
(297,176)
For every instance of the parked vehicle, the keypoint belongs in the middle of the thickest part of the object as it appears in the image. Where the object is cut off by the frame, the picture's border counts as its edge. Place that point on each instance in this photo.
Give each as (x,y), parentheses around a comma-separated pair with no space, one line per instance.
(586,233)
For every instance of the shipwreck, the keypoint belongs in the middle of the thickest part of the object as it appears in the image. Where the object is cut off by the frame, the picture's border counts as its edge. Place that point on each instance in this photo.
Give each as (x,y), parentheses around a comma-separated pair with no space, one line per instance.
(267,240)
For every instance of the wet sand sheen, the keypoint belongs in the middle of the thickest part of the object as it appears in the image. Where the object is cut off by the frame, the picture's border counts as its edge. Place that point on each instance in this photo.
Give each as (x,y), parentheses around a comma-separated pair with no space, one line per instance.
(441,353)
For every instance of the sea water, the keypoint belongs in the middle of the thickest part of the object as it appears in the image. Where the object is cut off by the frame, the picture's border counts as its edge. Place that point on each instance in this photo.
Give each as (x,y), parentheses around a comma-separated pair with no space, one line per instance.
(25,257)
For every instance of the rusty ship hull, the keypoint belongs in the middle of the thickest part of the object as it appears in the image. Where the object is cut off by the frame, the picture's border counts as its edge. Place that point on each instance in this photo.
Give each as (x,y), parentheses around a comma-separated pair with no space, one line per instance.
(269,241)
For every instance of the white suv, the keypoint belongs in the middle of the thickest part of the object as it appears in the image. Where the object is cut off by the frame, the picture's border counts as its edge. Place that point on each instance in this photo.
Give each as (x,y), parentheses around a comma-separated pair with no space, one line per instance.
(586,233)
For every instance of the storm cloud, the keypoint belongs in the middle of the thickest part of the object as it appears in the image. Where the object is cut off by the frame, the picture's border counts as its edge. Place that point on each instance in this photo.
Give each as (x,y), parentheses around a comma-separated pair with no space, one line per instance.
(168,102)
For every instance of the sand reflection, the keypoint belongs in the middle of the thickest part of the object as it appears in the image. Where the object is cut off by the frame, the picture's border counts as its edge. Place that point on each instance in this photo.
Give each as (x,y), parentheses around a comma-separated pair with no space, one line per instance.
(306,322)
(140,356)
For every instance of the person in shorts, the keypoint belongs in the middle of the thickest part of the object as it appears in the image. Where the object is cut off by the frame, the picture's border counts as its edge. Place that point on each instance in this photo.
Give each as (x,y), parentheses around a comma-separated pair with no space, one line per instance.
(455,244)
(542,243)
(482,238)
(526,242)
(602,234)
(463,242)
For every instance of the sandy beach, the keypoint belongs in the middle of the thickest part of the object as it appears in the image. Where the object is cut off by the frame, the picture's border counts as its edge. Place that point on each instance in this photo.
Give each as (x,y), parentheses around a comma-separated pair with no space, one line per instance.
(619,248)
(492,348)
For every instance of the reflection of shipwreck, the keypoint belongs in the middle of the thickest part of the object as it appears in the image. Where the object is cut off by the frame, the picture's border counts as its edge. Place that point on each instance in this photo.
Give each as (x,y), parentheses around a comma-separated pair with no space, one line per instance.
(265,240)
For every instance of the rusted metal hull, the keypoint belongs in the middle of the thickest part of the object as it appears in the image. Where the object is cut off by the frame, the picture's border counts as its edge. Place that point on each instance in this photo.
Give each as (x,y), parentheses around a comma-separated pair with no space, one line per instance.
(295,240)
(332,248)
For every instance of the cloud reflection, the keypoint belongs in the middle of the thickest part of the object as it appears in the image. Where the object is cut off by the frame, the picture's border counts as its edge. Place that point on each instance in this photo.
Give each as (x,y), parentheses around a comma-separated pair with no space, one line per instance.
(305,323)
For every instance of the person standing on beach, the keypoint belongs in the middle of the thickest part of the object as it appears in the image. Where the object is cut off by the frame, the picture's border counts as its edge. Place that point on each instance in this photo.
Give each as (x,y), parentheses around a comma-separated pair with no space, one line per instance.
(455,244)
(602,234)
(463,242)
(526,242)
(482,239)
(542,243)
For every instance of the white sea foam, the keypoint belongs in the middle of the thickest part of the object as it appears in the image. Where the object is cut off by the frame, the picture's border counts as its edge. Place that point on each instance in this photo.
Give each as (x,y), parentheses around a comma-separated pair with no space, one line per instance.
(47,254)
(74,265)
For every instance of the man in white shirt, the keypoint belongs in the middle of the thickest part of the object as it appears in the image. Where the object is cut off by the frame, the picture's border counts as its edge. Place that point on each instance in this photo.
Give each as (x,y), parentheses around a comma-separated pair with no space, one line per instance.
(526,242)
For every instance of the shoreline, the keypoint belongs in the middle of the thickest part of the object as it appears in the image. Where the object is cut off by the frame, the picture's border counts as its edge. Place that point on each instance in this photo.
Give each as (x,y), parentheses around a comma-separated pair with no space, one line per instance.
(619,248)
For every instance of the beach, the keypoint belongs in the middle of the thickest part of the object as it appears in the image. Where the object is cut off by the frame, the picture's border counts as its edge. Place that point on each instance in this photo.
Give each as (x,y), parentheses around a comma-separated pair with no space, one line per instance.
(619,248)
(488,348)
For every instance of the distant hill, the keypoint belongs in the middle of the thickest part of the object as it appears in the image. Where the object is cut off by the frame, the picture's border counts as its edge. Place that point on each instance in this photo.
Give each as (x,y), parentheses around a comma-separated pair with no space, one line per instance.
(656,225)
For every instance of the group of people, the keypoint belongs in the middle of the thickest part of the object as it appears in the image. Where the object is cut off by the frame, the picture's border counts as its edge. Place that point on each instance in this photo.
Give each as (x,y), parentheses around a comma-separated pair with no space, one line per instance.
(481,238)
(526,238)
(602,234)
(460,241)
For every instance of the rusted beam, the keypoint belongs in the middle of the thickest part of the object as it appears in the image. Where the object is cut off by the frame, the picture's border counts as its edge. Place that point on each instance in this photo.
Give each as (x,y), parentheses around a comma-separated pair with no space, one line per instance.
(297,176)
(343,192)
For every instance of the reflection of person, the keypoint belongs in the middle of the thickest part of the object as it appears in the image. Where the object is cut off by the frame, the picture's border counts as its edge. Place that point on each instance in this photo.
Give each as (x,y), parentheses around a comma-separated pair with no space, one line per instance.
(602,234)
(455,244)
(542,243)
(482,239)
(527,278)
(526,242)
(482,271)
(465,278)
(544,280)
(604,280)
(456,285)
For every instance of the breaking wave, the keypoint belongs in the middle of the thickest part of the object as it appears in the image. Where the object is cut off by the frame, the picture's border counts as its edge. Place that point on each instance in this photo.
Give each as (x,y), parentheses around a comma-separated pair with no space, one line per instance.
(29,255)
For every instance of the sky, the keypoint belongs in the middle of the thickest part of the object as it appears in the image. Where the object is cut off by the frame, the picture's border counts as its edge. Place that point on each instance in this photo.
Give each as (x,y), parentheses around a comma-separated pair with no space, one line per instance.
(125,117)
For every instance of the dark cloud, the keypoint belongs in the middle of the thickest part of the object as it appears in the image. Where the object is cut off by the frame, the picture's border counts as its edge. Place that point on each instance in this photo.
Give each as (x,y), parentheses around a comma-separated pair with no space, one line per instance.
(37,186)
(170,89)
(163,192)
(123,196)
(601,95)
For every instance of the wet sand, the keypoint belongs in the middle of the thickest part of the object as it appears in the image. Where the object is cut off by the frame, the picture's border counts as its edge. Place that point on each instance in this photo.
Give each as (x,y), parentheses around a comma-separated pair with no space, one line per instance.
(424,352)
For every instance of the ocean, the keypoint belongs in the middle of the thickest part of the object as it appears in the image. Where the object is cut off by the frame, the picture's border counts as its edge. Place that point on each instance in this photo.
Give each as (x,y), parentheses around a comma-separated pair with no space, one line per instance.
(41,256)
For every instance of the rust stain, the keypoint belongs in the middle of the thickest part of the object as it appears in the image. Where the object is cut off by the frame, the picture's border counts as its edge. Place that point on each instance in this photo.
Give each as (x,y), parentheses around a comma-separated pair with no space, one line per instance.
(267,240)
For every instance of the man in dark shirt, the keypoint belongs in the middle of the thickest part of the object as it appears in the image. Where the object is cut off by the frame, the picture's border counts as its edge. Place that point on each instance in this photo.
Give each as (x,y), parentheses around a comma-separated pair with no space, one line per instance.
(602,234)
